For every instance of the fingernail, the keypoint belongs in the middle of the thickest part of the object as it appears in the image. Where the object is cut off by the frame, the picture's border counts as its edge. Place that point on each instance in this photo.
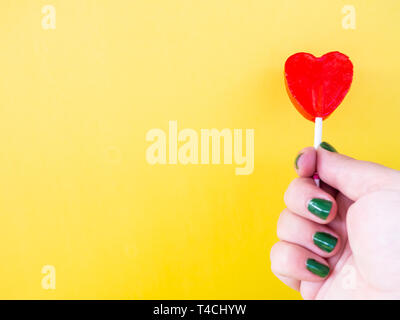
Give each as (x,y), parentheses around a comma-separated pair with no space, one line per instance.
(325,241)
(296,160)
(317,268)
(320,207)
(327,146)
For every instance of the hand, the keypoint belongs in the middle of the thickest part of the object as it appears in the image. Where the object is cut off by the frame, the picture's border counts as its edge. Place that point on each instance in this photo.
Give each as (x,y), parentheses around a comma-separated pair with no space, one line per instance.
(340,241)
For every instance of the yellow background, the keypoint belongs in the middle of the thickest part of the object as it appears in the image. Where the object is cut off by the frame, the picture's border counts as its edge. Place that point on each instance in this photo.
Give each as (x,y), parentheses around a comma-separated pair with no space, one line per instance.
(76,102)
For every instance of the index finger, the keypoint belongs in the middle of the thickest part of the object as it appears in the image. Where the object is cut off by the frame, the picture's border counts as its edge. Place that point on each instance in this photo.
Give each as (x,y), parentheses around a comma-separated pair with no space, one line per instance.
(305,162)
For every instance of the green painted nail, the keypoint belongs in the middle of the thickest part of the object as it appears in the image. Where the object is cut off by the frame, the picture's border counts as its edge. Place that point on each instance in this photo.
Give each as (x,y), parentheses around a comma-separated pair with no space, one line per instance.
(317,268)
(320,207)
(325,241)
(327,146)
(297,159)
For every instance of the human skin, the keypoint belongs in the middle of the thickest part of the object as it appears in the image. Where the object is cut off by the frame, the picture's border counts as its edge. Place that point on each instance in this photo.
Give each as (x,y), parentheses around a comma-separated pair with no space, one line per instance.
(364,218)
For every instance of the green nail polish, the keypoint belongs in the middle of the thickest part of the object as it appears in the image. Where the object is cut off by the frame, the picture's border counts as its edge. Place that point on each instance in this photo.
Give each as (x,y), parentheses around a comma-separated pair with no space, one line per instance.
(327,146)
(297,159)
(320,207)
(325,241)
(317,268)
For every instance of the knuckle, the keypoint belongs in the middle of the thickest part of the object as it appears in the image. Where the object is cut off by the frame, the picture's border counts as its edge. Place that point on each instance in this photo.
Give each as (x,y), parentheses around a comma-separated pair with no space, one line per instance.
(274,252)
(279,257)
(290,189)
(282,223)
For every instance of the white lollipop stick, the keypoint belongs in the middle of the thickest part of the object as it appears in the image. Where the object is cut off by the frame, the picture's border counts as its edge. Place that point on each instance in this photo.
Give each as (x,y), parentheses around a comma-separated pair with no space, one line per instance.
(317,142)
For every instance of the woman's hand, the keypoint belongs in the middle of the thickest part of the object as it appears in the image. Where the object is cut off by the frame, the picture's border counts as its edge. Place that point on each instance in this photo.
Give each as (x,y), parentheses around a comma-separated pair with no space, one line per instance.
(340,241)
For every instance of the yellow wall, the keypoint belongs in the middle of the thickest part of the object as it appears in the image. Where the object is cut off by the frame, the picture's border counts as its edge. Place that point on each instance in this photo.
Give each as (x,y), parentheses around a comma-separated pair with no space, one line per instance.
(76,102)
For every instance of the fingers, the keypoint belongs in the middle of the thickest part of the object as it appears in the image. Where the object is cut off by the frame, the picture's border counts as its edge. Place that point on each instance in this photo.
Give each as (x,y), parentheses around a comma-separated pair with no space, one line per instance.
(307,234)
(305,162)
(305,165)
(292,261)
(304,198)
(354,178)
(292,283)
(299,256)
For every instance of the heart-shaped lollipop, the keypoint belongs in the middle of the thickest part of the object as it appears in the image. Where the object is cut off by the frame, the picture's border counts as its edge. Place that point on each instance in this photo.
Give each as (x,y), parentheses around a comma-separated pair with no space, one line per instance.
(317,86)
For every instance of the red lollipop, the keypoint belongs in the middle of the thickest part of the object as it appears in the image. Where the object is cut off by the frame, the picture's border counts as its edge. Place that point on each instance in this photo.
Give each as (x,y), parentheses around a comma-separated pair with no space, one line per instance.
(316,86)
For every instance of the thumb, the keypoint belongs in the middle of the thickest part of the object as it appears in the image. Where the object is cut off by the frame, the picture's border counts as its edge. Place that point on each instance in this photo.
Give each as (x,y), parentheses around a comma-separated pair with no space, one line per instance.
(353,178)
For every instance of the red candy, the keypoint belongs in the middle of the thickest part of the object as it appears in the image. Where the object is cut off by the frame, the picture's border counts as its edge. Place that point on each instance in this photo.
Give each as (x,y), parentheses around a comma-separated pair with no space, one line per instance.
(316,86)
